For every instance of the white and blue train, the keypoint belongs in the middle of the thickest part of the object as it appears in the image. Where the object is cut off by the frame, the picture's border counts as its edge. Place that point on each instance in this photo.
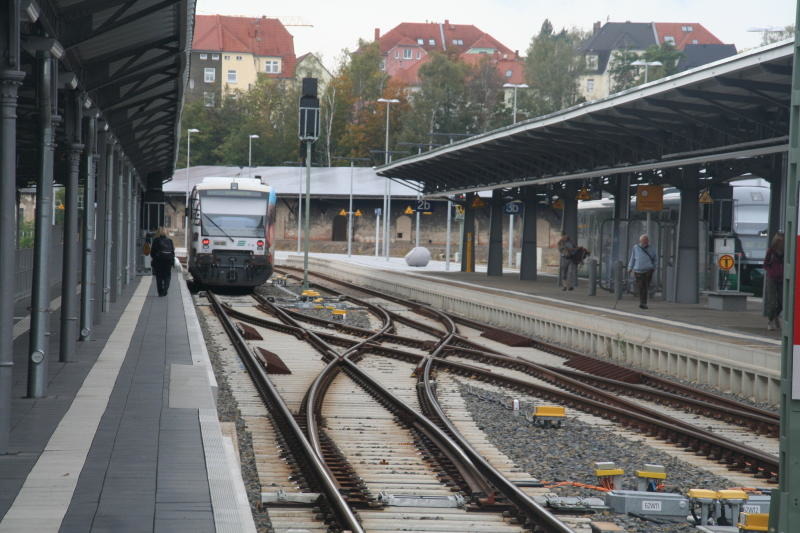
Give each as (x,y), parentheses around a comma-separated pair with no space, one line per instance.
(232,231)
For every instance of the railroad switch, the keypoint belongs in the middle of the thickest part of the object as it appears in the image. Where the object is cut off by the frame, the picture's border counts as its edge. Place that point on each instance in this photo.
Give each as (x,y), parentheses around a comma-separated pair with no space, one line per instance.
(549,415)
(339,314)
(722,508)
(651,478)
(608,475)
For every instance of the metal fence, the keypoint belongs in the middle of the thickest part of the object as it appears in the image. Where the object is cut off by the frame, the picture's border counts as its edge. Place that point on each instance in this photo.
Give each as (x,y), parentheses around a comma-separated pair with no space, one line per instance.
(24,281)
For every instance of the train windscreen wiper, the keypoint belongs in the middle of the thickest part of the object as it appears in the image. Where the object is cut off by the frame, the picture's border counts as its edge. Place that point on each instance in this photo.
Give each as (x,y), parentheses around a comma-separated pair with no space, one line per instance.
(218,226)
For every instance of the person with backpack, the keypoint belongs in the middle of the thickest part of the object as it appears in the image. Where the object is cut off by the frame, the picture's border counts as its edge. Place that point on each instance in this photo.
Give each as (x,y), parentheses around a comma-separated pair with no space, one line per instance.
(162,256)
(643,263)
(773,267)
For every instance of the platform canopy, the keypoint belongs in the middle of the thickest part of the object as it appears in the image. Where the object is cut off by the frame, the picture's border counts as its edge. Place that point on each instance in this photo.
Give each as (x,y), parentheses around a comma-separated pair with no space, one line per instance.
(130,57)
(734,108)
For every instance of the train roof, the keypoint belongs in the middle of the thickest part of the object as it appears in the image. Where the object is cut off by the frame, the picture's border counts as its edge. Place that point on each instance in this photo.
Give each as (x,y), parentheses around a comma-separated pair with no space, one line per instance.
(243,184)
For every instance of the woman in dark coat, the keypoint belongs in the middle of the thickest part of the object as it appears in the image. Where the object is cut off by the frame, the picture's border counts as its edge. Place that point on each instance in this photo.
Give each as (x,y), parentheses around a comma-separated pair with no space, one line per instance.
(162,259)
(773,265)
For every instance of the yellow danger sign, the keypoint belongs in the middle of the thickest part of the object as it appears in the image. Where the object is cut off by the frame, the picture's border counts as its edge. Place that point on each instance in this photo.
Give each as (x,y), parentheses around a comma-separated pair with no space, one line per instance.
(358,213)
(343,213)
(726,262)
(409,210)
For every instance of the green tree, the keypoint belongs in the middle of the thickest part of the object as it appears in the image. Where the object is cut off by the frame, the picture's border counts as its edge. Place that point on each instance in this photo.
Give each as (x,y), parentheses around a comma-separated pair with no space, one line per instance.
(622,71)
(484,97)
(552,68)
(440,105)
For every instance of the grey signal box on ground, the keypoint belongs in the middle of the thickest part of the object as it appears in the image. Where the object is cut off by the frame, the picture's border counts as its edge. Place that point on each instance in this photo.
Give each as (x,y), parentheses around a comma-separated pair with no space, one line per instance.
(309,111)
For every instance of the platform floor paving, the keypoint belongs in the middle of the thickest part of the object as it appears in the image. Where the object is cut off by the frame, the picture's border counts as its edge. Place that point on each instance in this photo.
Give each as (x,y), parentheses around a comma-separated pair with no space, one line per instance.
(127,437)
(750,325)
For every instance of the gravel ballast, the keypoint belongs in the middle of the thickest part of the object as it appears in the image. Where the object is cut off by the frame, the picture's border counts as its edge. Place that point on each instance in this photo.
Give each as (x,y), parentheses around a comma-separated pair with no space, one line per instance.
(569,454)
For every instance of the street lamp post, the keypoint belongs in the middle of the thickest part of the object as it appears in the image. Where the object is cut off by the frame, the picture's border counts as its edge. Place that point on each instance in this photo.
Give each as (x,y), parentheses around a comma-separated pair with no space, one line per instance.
(388,189)
(250,154)
(186,208)
(646,65)
(515,86)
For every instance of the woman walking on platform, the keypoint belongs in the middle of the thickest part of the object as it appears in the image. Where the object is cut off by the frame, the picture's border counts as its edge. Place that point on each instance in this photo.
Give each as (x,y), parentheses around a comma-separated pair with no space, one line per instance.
(773,265)
(162,255)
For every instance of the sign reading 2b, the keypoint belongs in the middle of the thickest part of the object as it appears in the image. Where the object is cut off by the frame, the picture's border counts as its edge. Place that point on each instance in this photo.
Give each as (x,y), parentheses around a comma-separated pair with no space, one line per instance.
(423,206)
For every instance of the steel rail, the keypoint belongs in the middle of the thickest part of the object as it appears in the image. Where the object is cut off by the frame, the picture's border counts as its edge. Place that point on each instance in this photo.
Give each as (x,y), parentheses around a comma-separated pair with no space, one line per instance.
(315,466)
(440,439)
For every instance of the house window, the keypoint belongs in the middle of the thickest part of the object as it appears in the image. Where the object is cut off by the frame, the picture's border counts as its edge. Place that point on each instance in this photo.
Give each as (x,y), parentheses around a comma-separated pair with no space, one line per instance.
(238,58)
(591,62)
(232,76)
(208,99)
(407,53)
(397,54)
(419,54)
(509,73)
(203,56)
(383,64)
(669,39)
(420,41)
(432,42)
(191,83)
(694,41)
(209,75)
(687,29)
(168,221)
(215,57)
(590,85)
(272,66)
(227,58)
(458,42)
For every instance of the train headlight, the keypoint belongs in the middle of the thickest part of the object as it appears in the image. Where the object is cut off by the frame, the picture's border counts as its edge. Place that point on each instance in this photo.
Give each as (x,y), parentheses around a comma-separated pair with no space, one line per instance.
(206,242)
(260,244)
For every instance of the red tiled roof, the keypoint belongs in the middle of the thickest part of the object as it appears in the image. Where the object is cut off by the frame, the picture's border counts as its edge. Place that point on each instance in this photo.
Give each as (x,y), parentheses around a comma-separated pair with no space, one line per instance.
(410,76)
(682,38)
(515,65)
(487,41)
(258,36)
(433,31)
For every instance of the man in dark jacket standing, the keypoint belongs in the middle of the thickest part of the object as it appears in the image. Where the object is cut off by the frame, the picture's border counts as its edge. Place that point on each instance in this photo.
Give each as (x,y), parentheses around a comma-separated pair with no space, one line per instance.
(162,256)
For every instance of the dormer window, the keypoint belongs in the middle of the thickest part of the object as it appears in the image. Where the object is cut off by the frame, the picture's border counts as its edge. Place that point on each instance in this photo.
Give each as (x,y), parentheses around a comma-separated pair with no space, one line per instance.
(591,61)
(509,73)
(432,42)
(420,41)
(669,39)
(407,53)
(687,29)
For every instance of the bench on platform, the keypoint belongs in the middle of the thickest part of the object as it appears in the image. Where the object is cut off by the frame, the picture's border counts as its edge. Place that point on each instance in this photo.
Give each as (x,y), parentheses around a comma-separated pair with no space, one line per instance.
(727,300)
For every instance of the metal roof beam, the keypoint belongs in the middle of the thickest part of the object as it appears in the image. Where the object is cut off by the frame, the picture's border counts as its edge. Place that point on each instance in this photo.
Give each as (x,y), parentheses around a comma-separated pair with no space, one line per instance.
(755,118)
(753,89)
(116,23)
(757,85)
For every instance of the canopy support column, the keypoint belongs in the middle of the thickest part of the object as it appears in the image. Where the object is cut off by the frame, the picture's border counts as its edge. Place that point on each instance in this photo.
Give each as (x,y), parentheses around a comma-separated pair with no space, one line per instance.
(687,289)
(10,80)
(529,259)
(570,213)
(108,224)
(40,298)
(468,236)
(69,271)
(495,267)
(89,235)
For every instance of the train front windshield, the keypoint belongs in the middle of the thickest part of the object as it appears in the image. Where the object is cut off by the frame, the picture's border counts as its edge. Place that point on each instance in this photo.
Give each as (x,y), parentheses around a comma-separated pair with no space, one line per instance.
(233,213)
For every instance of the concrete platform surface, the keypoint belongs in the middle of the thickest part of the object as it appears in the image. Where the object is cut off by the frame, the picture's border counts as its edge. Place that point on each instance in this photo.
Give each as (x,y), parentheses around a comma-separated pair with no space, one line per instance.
(127,438)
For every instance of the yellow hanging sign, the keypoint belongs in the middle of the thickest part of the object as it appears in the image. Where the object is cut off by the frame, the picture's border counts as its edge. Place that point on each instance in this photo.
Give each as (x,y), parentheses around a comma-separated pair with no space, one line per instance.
(649,198)
(343,213)
(705,197)
(478,202)
(358,213)
(408,210)
(583,194)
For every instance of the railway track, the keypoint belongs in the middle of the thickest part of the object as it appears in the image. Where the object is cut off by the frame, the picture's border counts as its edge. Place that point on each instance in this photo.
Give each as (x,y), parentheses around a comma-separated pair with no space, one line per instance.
(602,395)
(446,467)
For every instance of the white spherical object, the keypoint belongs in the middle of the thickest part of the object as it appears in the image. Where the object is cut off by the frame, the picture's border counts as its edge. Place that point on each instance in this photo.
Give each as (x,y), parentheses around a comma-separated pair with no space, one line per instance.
(418,257)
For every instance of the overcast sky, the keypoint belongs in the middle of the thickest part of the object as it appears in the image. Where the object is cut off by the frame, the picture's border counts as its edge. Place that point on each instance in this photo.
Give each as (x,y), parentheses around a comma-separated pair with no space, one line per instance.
(338,24)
